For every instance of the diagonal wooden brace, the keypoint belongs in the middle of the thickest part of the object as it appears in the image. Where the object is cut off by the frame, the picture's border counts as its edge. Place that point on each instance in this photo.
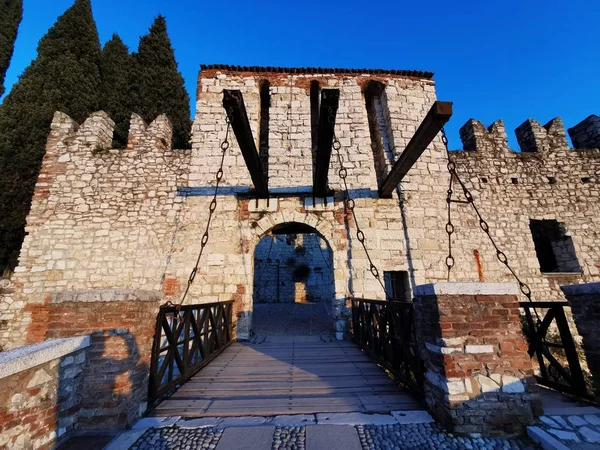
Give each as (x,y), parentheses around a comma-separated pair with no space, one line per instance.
(327,112)
(233,102)
(433,122)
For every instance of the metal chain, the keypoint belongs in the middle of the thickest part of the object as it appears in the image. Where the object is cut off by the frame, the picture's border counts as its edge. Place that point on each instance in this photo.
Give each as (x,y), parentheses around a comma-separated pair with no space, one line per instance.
(211,209)
(525,290)
(350,204)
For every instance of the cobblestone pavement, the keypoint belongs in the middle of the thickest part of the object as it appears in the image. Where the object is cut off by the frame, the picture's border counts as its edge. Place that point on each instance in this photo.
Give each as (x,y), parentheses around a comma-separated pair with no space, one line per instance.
(372,437)
(428,436)
(178,439)
(289,438)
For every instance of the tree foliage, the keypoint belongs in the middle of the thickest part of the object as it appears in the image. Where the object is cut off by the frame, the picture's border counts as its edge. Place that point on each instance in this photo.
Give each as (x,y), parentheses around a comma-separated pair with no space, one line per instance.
(65,76)
(11,13)
(159,86)
(116,93)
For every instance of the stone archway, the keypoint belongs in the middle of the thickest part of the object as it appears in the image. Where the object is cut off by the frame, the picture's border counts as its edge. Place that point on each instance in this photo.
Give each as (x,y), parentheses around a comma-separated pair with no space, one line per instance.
(293,282)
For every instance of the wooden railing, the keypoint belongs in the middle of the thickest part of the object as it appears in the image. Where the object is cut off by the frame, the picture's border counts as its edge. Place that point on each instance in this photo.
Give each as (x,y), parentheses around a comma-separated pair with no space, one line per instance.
(551,342)
(385,331)
(185,341)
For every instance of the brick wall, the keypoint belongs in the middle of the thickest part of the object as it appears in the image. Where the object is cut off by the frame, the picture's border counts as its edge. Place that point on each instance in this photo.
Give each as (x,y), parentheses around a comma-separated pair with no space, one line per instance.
(40,404)
(478,373)
(121,324)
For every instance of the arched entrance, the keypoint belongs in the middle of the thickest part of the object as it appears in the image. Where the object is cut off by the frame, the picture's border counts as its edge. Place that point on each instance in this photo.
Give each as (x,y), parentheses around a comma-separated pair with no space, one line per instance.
(293,289)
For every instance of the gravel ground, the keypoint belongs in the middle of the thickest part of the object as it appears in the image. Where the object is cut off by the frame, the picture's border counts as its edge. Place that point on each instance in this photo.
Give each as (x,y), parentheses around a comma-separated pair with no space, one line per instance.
(289,438)
(427,436)
(178,438)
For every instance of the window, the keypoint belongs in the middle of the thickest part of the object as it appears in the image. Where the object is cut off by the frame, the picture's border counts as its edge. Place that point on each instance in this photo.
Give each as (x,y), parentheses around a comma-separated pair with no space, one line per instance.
(586,180)
(379,128)
(514,180)
(551,180)
(397,285)
(554,248)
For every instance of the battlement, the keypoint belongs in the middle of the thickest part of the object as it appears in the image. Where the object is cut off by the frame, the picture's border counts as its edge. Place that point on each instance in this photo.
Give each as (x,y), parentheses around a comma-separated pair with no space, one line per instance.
(586,134)
(532,136)
(96,133)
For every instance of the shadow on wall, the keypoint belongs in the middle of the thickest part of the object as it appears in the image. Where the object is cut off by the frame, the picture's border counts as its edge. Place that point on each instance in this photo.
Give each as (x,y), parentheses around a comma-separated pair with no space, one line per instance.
(109,391)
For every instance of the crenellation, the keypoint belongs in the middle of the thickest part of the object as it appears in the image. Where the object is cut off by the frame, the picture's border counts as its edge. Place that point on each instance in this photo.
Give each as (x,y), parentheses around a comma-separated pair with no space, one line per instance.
(144,137)
(533,137)
(476,137)
(586,134)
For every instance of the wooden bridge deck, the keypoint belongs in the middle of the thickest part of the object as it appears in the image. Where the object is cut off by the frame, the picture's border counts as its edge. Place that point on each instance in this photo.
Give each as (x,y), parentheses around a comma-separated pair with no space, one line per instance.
(288,375)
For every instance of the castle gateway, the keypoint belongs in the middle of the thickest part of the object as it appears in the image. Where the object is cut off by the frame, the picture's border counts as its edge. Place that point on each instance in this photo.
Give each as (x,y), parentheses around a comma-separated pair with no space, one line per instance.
(303,189)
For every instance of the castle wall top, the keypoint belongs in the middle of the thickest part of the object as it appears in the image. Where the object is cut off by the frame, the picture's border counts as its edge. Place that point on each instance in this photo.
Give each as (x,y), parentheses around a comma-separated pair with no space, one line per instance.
(315,70)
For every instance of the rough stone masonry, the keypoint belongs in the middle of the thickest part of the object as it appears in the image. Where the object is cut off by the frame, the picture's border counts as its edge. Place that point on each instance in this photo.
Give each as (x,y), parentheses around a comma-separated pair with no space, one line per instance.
(132,219)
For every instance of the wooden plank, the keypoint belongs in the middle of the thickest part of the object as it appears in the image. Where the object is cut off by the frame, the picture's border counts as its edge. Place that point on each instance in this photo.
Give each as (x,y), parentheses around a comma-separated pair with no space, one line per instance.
(433,122)
(327,113)
(233,102)
(286,379)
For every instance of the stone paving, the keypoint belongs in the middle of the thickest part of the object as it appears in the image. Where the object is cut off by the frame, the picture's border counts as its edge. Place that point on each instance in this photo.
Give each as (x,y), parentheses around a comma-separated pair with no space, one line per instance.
(178,438)
(306,433)
(428,436)
(581,431)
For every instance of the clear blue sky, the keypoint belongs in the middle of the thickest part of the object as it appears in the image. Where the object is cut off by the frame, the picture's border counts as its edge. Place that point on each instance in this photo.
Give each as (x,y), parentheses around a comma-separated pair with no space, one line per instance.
(509,59)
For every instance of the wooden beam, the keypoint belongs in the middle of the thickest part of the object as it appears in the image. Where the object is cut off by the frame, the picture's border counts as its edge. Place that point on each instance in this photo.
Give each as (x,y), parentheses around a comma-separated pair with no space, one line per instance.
(433,122)
(327,112)
(233,102)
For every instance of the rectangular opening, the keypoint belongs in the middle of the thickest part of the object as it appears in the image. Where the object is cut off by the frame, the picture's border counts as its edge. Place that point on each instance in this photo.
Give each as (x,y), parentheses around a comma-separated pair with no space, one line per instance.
(397,285)
(263,134)
(554,248)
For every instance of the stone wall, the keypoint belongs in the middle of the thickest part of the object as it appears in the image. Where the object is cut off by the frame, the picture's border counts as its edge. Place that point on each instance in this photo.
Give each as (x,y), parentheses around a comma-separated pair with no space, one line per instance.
(545,181)
(478,372)
(104,218)
(41,391)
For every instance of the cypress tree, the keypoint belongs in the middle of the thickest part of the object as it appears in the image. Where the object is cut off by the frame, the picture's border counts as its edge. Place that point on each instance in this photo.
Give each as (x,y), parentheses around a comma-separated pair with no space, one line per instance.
(65,76)
(11,13)
(116,98)
(160,87)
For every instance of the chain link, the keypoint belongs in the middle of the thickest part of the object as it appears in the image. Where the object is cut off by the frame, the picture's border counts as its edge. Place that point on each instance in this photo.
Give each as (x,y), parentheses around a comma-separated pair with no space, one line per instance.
(211,209)
(350,204)
(500,255)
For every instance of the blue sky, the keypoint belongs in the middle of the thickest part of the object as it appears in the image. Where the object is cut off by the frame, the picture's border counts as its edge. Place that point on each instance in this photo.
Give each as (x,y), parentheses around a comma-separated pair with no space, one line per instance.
(509,59)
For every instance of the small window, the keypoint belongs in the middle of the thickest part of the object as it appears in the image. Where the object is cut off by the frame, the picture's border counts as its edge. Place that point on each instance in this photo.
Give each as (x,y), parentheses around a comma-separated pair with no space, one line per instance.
(484,179)
(586,180)
(514,180)
(397,285)
(554,248)
(551,180)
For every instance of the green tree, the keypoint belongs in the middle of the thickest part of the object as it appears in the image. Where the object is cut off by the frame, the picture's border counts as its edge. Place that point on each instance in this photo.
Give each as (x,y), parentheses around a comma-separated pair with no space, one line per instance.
(11,13)
(117,77)
(65,76)
(159,84)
